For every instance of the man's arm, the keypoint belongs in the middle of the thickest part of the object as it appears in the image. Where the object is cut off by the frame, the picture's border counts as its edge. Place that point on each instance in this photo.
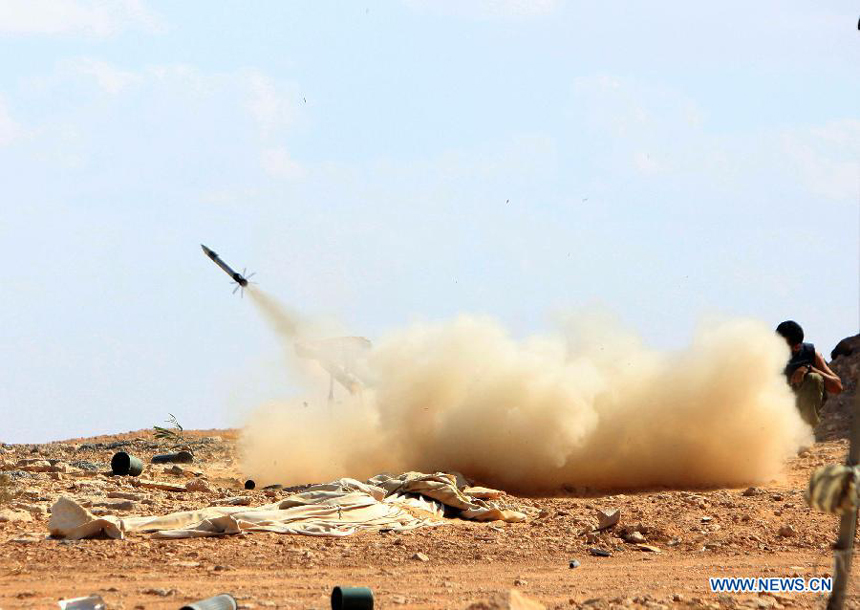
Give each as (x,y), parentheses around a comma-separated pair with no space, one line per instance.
(832,383)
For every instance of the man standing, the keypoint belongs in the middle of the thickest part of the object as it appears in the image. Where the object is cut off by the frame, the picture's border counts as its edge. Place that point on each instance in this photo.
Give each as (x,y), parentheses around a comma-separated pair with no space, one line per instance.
(807,374)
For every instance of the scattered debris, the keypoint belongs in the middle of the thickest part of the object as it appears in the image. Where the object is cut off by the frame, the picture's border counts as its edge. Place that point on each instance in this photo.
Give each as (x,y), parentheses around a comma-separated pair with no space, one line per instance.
(92,602)
(173,433)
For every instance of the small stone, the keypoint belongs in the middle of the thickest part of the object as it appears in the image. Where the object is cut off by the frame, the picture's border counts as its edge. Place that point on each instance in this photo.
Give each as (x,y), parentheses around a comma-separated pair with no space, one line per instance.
(160,592)
(598,552)
(122,505)
(647,548)
(520,582)
(421,557)
(787,531)
(607,518)
(574,563)
(398,599)
(635,538)
(197,485)
(751,491)
(125,495)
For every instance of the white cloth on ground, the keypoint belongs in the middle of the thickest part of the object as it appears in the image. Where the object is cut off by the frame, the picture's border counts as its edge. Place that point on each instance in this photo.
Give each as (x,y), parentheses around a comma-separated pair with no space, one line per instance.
(340,508)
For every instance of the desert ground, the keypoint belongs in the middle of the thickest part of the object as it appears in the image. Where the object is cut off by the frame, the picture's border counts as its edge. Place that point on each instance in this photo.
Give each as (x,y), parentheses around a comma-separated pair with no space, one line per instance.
(692,534)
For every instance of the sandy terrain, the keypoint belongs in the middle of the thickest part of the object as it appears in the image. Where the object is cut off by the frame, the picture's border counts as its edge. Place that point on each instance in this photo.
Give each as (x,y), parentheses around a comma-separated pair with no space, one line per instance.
(698,533)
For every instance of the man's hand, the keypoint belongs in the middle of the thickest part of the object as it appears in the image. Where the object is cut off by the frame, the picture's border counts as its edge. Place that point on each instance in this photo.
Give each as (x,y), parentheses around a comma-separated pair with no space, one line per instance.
(798,375)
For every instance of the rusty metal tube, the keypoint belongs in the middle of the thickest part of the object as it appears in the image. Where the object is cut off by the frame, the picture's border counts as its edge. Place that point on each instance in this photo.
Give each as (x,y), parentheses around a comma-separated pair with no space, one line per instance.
(183,457)
(123,464)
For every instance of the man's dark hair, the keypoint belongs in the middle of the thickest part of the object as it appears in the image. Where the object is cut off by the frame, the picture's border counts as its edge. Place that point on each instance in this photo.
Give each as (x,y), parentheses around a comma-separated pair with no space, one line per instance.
(791,331)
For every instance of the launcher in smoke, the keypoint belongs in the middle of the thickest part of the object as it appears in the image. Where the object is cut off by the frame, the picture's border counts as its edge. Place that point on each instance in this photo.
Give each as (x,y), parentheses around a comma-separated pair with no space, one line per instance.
(340,357)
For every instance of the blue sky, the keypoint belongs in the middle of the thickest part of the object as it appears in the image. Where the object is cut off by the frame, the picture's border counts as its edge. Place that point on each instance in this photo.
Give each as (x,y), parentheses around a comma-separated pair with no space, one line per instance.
(385,162)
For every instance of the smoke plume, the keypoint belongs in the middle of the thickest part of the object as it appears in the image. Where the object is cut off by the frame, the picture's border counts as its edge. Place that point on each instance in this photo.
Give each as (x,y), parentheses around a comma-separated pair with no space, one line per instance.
(588,407)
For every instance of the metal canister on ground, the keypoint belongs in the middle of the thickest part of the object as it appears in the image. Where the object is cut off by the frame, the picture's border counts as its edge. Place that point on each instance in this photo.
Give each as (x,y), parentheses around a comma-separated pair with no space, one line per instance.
(351,598)
(123,464)
(182,457)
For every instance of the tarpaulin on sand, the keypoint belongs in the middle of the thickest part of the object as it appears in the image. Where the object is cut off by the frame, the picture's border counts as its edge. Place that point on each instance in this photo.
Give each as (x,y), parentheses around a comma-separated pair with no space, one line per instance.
(340,508)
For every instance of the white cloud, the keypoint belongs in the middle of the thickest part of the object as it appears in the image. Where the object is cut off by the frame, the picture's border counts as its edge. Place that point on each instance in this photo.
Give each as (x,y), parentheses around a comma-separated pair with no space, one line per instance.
(108,77)
(660,131)
(278,164)
(9,129)
(827,158)
(483,9)
(79,17)
(272,107)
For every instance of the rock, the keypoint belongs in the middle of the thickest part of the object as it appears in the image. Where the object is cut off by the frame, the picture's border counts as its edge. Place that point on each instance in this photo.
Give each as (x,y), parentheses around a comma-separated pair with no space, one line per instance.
(520,582)
(787,531)
(197,485)
(420,557)
(85,465)
(42,466)
(125,495)
(160,592)
(156,485)
(647,548)
(598,552)
(574,563)
(398,599)
(234,501)
(634,538)
(33,509)
(752,491)
(607,518)
(8,515)
(121,505)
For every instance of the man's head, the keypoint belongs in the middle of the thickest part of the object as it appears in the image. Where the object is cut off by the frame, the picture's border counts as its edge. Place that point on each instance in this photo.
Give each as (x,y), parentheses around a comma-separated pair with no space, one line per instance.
(791,332)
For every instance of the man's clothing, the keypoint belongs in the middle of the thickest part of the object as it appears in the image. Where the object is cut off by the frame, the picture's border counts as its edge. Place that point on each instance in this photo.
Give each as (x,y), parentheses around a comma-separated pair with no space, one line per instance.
(803,357)
(809,397)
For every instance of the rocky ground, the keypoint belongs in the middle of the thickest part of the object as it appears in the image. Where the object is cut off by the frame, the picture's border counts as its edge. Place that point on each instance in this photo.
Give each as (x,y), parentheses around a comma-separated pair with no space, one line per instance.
(663,549)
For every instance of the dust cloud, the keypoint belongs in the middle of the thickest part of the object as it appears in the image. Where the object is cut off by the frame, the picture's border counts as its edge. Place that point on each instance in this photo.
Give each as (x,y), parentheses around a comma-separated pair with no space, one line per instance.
(590,406)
